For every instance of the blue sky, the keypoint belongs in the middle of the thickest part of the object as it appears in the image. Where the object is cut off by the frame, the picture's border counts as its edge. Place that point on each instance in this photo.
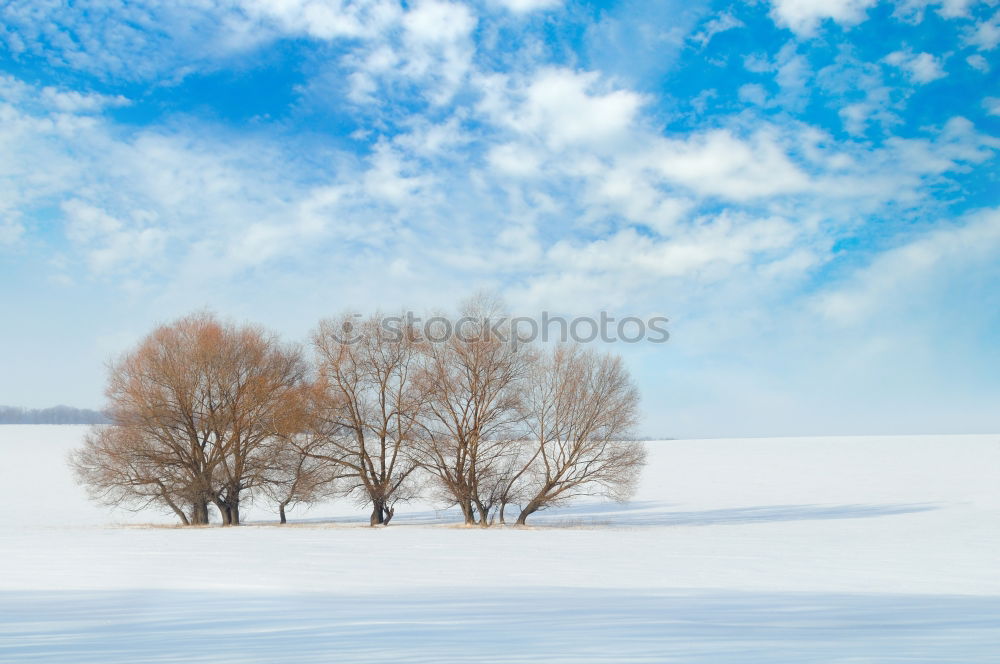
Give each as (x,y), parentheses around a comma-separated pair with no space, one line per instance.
(808,189)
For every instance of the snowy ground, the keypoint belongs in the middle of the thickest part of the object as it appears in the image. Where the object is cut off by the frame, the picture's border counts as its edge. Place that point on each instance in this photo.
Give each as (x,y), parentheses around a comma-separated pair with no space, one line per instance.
(783,550)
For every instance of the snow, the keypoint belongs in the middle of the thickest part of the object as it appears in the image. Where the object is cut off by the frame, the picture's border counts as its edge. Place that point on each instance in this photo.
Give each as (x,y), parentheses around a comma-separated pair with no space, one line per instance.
(857,549)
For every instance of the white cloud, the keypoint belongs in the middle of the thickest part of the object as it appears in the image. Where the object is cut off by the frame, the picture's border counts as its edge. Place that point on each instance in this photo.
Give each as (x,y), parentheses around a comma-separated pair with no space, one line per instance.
(428,46)
(792,72)
(901,171)
(643,179)
(804,16)
(380,61)
(152,206)
(920,67)
(111,244)
(437,48)
(424,46)
(432,21)
(562,108)
(710,248)
(955,8)
(905,271)
(554,178)
(978,62)
(986,34)
(717,24)
(325,19)
(992,105)
(76,102)
(621,191)
(391,179)
(130,40)
(753,93)
(431,139)
(855,117)
(147,39)
(50,98)
(718,163)
(913,10)
(861,93)
(514,159)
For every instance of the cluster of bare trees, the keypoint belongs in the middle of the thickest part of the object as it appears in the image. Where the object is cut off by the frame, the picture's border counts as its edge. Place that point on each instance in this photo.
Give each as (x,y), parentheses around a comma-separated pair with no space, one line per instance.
(209,413)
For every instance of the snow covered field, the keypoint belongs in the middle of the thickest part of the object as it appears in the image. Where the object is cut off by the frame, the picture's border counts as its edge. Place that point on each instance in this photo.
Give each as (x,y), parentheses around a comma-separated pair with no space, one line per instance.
(760,550)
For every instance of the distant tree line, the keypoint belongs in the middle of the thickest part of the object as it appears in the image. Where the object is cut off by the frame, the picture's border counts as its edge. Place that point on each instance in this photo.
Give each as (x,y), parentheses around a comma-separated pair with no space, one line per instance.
(208,414)
(54,415)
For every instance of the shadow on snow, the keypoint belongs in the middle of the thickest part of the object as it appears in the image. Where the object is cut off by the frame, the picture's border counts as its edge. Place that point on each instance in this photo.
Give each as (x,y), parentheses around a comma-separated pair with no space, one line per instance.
(653,513)
(543,624)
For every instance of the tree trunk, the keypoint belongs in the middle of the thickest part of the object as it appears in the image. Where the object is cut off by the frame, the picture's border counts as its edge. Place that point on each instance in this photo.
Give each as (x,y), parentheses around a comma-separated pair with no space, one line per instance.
(281,513)
(224,513)
(467,513)
(203,512)
(528,510)
(389,513)
(503,506)
(484,515)
(234,512)
(199,513)
(378,517)
(179,512)
(229,509)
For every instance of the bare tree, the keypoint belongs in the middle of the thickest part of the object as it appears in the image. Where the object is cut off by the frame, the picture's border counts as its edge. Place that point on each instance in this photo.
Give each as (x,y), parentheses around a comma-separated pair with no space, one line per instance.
(120,469)
(472,381)
(295,475)
(253,383)
(580,408)
(193,407)
(368,406)
(505,482)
